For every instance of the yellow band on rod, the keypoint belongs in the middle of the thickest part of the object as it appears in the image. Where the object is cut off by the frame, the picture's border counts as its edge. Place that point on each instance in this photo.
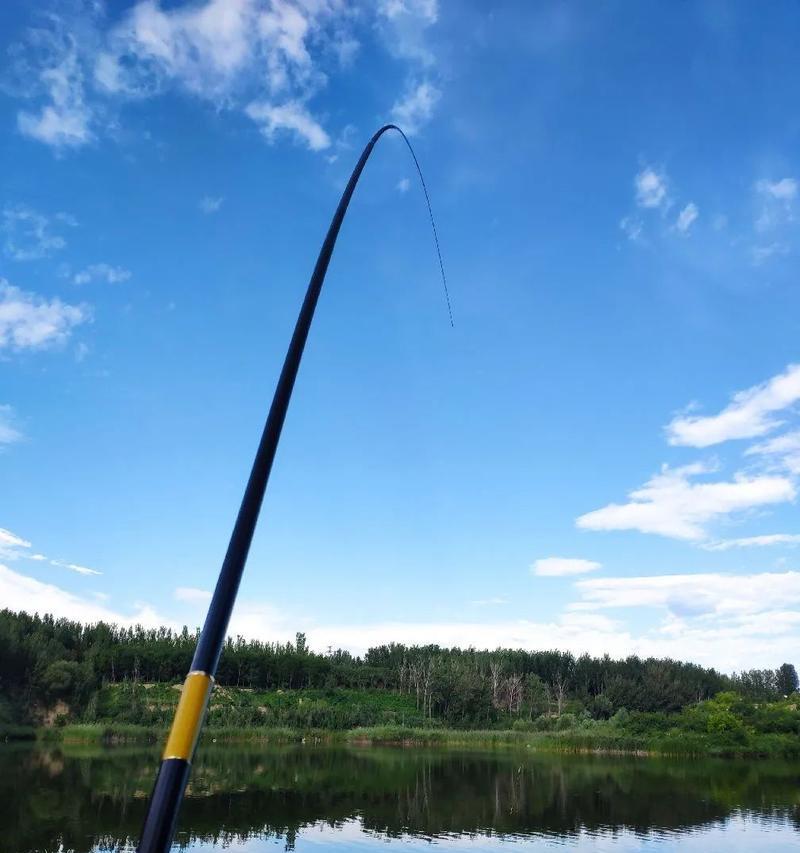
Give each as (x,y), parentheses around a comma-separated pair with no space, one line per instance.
(188,716)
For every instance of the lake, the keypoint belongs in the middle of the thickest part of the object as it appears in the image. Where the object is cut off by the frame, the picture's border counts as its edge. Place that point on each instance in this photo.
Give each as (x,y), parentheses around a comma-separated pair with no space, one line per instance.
(306,798)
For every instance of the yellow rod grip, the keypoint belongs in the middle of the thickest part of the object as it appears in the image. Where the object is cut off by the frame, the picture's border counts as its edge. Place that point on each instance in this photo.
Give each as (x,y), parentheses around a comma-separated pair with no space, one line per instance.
(188,716)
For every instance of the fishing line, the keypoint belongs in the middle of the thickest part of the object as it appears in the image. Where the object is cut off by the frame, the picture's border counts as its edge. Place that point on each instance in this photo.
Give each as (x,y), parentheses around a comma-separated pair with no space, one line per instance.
(433,222)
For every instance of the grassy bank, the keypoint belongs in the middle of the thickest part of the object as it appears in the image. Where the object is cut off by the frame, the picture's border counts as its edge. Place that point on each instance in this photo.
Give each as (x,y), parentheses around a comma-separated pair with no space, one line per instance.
(120,733)
(334,709)
(601,738)
(13,732)
(727,725)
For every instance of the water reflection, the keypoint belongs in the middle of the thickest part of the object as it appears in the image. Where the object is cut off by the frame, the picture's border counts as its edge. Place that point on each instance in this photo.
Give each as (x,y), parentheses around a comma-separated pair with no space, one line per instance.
(73,799)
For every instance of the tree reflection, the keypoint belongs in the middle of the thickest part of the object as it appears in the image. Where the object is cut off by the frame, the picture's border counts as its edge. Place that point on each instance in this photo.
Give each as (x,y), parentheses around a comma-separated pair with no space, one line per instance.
(73,799)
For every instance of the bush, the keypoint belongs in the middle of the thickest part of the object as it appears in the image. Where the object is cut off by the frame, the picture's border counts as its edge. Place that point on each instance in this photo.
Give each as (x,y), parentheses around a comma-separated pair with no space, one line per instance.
(776,719)
(621,717)
(601,707)
(721,720)
(566,721)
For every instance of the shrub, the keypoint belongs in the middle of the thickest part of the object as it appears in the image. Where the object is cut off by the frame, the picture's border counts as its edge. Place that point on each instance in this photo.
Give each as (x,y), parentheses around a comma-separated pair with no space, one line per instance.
(621,717)
(600,707)
(565,721)
(721,720)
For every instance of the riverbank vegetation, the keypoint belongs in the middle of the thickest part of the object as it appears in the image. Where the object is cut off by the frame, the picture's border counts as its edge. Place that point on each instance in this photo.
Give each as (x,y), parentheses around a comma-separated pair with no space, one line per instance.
(103,683)
(727,725)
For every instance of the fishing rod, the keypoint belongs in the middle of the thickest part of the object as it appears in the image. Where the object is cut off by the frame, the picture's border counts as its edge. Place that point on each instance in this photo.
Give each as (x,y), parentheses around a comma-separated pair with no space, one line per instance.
(173,773)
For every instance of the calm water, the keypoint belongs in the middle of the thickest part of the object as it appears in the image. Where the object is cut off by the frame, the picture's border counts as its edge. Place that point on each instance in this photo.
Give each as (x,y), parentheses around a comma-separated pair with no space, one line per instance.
(362,799)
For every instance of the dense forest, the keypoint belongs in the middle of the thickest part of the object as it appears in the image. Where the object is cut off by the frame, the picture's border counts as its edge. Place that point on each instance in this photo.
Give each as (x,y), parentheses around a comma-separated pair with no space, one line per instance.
(46,662)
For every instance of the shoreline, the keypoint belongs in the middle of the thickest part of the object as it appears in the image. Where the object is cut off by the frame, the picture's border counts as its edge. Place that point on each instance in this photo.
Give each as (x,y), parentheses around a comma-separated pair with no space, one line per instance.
(575,741)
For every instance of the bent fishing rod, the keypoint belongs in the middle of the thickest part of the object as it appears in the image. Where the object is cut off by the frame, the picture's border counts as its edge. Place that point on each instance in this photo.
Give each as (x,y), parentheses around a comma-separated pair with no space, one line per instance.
(173,773)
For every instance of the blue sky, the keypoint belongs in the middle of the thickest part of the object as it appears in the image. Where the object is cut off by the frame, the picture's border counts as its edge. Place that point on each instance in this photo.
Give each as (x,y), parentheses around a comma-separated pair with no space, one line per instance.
(602,455)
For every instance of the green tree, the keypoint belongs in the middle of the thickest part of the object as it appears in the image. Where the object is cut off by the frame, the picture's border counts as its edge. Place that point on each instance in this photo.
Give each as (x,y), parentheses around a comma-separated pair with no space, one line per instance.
(60,678)
(536,697)
(786,679)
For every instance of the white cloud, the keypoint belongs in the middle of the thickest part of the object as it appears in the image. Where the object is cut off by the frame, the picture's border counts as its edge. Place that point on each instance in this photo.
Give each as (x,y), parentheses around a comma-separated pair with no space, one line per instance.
(651,188)
(74,567)
(489,602)
(789,442)
(730,638)
(731,622)
(577,632)
(64,119)
(405,24)
(562,566)
(686,218)
(403,185)
(695,595)
(266,54)
(192,595)
(10,545)
(28,321)
(632,227)
(82,570)
(8,431)
(573,632)
(101,272)
(28,234)
(776,200)
(754,541)
(764,253)
(783,190)
(11,540)
(275,54)
(291,116)
(203,47)
(749,414)
(260,620)
(415,108)
(210,204)
(21,592)
(670,504)
(785,449)
(427,10)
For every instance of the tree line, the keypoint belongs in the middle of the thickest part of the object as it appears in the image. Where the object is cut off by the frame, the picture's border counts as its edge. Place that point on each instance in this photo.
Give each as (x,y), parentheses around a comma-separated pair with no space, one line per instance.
(44,660)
